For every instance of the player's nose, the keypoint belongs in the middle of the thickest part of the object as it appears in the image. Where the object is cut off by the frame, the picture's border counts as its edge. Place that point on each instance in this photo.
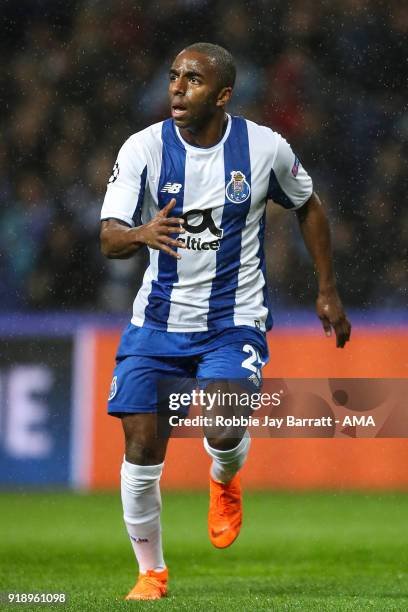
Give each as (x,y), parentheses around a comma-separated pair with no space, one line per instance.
(177,87)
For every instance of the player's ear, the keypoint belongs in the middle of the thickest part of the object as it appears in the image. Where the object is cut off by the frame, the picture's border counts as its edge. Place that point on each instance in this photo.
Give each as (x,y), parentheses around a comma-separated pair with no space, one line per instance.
(224,96)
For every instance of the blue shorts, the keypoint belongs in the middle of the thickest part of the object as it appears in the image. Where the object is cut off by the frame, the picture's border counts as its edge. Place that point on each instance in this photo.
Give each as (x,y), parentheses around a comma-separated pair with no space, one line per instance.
(151,364)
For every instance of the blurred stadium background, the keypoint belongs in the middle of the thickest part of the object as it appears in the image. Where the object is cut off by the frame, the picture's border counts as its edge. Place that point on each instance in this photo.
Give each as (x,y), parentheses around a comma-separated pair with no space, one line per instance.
(77,78)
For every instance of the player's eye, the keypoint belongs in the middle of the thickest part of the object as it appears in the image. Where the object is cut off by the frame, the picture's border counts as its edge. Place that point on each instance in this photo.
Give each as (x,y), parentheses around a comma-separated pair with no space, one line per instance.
(194,80)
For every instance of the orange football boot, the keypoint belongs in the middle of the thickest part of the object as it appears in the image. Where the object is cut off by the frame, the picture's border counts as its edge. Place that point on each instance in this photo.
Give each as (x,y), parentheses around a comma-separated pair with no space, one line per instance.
(151,585)
(225,512)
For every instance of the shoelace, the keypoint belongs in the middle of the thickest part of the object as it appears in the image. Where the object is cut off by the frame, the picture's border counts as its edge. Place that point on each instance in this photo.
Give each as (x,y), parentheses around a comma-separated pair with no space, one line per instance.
(150,579)
(224,503)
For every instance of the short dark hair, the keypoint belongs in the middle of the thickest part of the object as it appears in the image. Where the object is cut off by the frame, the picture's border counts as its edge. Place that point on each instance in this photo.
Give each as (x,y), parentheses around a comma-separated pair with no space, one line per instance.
(223,60)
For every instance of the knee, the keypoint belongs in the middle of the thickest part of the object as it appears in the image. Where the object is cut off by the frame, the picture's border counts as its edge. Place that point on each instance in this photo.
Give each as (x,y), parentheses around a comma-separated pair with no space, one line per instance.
(142,444)
(142,454)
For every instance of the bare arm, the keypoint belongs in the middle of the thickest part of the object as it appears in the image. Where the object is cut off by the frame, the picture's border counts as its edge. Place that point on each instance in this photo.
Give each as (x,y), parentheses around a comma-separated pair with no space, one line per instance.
(118,241)
(316,235)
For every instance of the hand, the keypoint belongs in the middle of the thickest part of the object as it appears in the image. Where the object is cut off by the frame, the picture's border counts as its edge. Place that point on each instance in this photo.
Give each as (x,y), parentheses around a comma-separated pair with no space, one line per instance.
(156,233)
(331,313)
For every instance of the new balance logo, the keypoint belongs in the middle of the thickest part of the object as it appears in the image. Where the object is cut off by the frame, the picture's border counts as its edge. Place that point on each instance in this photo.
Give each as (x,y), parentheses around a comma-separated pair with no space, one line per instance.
(138,540)
(172,188)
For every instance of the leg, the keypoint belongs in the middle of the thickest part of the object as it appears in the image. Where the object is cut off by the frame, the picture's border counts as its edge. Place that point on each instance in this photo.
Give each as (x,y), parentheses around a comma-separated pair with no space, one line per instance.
(142,446)
(137,398)
(140,475)
(228,445)
(227,462)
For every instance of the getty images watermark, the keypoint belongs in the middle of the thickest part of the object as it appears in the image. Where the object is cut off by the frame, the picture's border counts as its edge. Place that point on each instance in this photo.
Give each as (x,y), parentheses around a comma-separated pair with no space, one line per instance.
(315,408)
(232,399)
(219,400)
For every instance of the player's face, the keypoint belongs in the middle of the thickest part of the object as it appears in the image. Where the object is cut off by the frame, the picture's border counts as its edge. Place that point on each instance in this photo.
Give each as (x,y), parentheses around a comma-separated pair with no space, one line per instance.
(193,90)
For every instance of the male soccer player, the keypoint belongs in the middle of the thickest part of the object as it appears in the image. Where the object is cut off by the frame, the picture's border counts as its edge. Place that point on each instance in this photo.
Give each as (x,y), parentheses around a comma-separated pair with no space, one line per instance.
(194,188)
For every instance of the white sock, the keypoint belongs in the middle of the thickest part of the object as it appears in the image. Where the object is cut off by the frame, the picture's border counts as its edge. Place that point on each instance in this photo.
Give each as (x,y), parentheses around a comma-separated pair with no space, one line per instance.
(226,463)
(141,510)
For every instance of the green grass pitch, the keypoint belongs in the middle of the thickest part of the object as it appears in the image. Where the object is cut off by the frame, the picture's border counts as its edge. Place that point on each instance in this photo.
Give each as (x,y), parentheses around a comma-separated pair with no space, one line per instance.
(311,551)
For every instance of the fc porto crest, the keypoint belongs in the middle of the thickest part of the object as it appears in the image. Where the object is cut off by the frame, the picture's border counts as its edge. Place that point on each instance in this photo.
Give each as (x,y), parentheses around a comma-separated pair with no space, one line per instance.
(113,388)
(238,189)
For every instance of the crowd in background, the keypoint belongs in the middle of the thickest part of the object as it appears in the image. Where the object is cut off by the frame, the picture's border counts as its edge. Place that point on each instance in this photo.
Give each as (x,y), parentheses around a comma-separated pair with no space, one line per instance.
(77,78)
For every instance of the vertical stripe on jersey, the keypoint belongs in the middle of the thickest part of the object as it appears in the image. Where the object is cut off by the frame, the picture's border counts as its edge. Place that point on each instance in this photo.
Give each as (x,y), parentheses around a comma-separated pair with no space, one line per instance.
(249,296)
(222,298)
(138,210)
(172,171)
(262,267)
(204,187)
(276,193)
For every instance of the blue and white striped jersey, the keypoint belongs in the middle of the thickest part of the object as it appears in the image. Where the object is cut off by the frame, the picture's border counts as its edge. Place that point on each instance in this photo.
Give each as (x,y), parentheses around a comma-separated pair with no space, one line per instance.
(221,193)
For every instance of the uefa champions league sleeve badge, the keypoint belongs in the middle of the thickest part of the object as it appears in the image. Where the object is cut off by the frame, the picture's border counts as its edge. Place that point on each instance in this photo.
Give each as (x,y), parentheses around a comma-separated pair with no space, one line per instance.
(238,189)
(115,173)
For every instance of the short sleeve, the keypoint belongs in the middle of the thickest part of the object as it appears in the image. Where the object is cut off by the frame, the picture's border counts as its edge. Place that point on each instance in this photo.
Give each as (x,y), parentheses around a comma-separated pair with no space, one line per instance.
(289,183)
(126,185)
